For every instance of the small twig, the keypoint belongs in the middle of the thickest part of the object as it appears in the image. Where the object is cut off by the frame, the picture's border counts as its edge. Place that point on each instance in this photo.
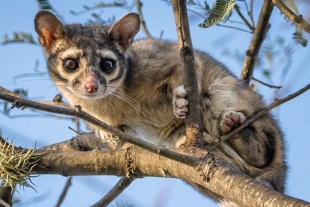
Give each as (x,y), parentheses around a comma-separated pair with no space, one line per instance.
(256,42)
(119,187)
(143,24)
(64,192)
(296,19)
(251,27)
(266,84)
(250,11)
(77,132)
(232,27)
(260,113)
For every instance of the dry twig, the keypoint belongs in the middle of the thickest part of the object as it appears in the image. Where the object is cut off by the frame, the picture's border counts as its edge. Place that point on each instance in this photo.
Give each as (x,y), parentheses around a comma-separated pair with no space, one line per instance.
(296,19)
(120,186)
(256,42)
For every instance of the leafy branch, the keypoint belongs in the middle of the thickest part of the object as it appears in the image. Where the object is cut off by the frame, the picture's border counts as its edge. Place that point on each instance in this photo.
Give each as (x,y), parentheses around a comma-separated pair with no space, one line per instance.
(19,37)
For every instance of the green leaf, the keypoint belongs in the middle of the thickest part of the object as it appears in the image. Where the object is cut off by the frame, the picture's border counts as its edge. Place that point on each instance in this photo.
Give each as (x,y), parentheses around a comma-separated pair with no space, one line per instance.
(219,11)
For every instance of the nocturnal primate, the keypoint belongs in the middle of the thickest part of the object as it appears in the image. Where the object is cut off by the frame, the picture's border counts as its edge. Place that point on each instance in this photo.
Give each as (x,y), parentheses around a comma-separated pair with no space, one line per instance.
(136,86)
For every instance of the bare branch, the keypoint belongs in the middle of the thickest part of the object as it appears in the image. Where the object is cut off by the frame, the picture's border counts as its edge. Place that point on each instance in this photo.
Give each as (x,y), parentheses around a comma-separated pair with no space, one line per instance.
(6,195)
(251,27)
(296,19)
(4,204)
(266,84)
(143,24)
(92,163)
(256,42)
(221,178)
(78,112)
(250,11)
(82,142)
(120,186)
(188,69)
(64,192)
(4,90)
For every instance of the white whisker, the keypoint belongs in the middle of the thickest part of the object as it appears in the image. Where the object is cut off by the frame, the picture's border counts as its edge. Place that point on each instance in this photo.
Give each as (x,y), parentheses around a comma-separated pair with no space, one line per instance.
(125,98)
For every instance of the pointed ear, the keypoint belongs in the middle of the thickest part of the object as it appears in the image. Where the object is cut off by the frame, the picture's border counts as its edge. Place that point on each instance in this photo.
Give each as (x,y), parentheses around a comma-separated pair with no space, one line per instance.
(124,30)
(48,27)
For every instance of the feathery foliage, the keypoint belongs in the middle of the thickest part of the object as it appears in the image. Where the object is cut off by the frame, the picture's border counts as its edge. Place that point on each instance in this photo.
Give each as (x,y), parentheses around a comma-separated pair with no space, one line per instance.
(16,164)
(220,10)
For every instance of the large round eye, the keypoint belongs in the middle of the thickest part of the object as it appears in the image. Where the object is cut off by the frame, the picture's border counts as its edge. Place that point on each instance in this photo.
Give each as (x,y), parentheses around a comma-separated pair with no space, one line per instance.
(71,64)
(107,65)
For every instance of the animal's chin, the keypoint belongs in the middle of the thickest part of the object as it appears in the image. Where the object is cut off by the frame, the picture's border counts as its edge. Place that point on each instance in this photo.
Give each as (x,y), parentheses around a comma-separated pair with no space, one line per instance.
(92,96)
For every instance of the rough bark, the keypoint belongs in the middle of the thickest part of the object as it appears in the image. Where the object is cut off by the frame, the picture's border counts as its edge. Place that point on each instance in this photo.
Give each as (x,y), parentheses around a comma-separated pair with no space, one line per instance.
(218,176)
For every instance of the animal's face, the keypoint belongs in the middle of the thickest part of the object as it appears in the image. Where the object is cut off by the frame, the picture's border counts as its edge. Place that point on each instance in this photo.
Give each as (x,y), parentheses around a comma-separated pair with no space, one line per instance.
(87,61)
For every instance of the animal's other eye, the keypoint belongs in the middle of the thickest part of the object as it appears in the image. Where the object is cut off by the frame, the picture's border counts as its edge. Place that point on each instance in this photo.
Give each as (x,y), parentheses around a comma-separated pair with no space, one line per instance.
(70,64)
(107,65)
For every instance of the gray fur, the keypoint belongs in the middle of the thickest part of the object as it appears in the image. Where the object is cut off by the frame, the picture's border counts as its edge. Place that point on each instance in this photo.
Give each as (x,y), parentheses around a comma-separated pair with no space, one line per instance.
(137,96)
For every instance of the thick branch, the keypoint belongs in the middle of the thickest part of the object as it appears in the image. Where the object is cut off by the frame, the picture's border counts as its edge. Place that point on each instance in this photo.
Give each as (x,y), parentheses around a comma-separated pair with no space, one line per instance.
(296,19)
(5,196)
(84,142)
(193,117)
(256,42)
(220,178)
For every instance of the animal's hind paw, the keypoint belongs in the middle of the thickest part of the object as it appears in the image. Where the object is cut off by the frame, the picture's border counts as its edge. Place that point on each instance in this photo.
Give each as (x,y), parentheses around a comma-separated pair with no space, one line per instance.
(230,120)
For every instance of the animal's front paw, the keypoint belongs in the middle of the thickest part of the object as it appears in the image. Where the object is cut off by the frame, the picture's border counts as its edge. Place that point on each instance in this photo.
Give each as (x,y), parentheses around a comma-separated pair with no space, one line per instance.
(107,137)
(230,120)
(179,102)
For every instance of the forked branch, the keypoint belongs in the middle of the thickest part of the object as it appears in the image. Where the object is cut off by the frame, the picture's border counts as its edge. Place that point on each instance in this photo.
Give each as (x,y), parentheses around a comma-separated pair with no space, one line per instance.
(296,19)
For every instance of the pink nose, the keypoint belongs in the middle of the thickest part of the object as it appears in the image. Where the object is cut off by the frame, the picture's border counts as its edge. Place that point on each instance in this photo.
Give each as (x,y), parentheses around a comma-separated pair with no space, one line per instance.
(91,87)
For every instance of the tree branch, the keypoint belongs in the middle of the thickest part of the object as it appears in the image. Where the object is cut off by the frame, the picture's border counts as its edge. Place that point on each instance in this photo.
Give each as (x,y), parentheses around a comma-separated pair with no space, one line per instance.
(188,69)
(256,42)
(220,177)
(296,19)
(64,192)
(143,24)
(120,186)
(6,196)
(69,165)
(266,84)
(82,142)
(78,112)
(251,27)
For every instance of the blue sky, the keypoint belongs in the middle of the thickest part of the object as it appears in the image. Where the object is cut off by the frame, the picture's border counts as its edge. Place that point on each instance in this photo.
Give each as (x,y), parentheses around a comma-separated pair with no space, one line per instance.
(17,59)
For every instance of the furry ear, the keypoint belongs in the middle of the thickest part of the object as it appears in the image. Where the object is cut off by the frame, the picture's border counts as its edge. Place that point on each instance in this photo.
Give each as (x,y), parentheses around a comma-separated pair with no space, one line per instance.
(48,28)
(124,30)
